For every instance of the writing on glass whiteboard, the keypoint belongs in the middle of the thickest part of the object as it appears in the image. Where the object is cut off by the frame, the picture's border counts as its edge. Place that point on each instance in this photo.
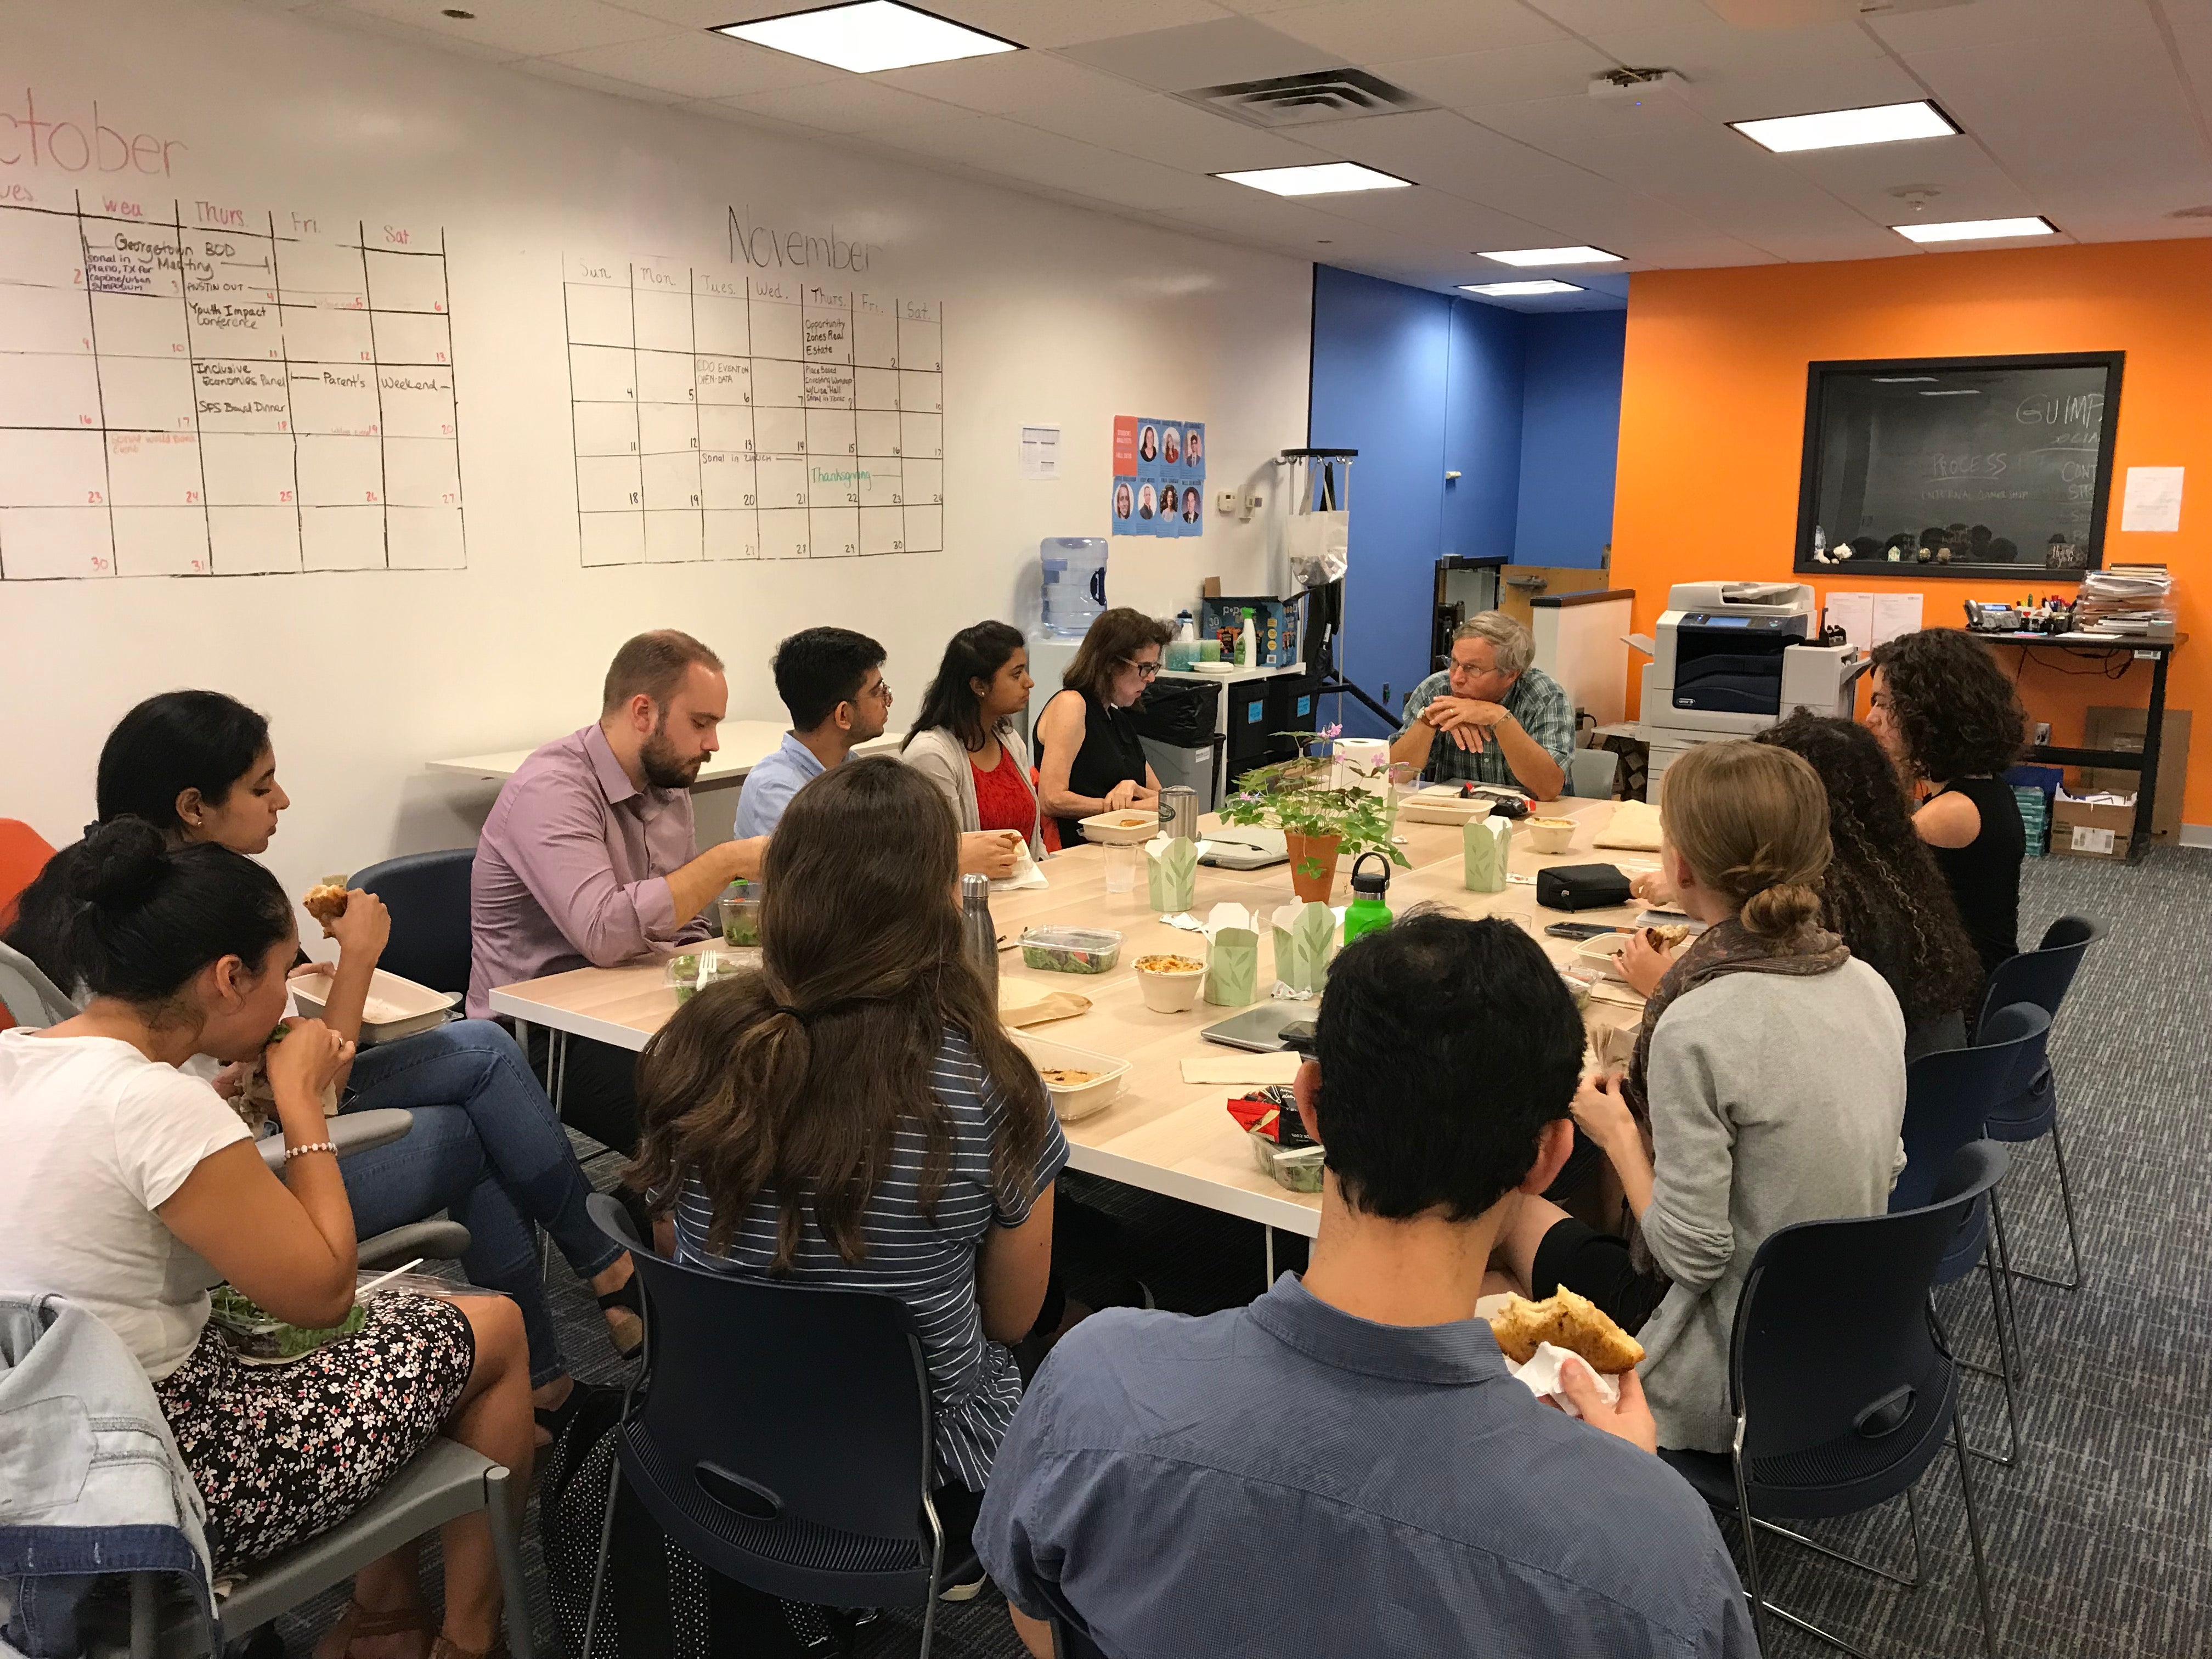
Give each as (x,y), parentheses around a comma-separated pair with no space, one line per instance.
(77,143)
(200,389)
(726,414)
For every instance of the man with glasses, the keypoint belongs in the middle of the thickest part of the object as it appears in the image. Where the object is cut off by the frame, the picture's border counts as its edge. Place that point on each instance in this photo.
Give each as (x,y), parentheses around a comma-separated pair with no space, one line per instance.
(831,680)
(1492,717)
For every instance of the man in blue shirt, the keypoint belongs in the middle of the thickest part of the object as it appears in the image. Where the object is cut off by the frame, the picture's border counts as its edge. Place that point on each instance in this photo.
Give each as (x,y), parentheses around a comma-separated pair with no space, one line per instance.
(1492,717)
(831,680)
(1347,1465)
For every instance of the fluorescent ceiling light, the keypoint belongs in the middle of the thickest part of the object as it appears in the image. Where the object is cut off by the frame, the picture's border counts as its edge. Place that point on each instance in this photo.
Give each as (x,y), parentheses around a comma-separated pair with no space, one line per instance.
(1837,129)
(1550,256)
(1517,290)
(1977,230)
(868,35)
(1324,178)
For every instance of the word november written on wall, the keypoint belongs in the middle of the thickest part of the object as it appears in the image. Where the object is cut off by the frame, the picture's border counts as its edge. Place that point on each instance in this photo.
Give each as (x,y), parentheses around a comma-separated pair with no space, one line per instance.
(722,413)
(195,389)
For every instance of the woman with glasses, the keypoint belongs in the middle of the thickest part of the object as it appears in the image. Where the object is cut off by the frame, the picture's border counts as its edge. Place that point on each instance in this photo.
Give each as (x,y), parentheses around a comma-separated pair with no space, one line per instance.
(1091,759)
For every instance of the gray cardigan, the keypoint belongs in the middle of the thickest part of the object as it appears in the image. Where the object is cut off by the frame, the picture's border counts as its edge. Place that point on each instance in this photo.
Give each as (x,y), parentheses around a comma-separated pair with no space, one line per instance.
(1775,1099)
(937,755)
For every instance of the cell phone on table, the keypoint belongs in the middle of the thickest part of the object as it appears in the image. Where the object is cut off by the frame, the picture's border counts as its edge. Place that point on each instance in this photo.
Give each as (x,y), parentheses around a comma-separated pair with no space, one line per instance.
(1579,929)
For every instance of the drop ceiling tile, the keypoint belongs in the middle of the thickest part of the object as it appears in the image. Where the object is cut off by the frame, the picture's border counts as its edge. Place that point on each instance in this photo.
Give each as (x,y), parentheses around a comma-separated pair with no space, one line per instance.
(1509,75)
(1848,83)
(1172,132)
(1007,82)
(551,69)
(339,16)
(1437,220)
(1000,150)
(1963,182)
(530,28)
(1363,32)
(1069,23)
(1203,55)
(706,14)
(692,64)
(1702,47)
(849,103)
(1988,22)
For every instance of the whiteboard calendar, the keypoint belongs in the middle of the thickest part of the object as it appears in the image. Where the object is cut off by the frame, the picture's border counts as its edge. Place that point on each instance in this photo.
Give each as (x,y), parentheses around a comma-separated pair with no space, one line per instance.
(191,388)
(725,414)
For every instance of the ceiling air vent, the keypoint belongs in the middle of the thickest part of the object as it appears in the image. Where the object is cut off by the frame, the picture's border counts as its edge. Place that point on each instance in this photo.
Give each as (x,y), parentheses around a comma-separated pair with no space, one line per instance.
(1301,100)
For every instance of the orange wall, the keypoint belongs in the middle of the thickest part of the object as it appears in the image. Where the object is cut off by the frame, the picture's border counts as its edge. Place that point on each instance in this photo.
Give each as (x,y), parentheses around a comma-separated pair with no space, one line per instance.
(1712,415)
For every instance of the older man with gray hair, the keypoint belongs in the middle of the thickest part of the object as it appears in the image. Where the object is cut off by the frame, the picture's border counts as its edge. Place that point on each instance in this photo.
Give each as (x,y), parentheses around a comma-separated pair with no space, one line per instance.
(1493,717)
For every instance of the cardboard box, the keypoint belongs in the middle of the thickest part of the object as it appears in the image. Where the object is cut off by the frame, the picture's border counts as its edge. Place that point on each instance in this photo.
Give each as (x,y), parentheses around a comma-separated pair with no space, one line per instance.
(2081,829)
(2124,728)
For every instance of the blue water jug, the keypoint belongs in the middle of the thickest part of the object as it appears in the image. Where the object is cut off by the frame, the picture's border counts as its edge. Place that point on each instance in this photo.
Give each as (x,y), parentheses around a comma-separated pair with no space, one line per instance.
(1075,583)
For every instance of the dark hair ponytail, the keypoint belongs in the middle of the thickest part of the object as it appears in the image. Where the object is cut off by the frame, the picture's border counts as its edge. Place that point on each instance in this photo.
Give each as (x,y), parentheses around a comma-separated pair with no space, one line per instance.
(135,920)
(950,703)
(177,741)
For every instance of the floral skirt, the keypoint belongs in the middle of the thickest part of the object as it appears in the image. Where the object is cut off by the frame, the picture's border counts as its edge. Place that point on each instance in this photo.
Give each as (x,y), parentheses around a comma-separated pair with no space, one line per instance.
(281,1453)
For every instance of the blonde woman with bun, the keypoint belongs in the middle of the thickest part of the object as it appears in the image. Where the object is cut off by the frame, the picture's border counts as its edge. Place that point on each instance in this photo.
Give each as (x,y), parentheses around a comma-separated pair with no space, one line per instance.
(1767,1086)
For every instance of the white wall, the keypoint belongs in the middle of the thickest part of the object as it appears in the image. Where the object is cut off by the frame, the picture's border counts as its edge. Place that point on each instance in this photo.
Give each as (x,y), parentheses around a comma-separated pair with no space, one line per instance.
(1052,314)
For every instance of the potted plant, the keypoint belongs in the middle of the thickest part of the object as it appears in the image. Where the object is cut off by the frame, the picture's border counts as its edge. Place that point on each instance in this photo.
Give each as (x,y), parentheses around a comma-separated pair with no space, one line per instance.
(1320,824)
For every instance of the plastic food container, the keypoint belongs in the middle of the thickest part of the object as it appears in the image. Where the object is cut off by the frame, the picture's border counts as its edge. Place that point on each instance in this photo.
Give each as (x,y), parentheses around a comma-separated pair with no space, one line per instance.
(262,1338)
(395,1007)
(1170,989)
(1603,953)
(1082,1084)
(1127,828)
(688,971)
(1297,1167)
(1071,949)
(740,911)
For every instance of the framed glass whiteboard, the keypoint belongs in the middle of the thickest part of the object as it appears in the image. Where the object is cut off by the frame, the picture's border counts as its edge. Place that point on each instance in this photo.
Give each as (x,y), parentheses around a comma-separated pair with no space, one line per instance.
(1958,467)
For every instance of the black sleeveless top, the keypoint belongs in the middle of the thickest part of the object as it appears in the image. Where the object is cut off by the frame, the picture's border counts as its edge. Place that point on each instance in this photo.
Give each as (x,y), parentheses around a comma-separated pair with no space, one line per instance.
(1984,874)
(1112,753)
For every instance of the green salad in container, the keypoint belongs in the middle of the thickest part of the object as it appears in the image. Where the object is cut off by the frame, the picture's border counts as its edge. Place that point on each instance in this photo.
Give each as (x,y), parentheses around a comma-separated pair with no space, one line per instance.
(258,1333)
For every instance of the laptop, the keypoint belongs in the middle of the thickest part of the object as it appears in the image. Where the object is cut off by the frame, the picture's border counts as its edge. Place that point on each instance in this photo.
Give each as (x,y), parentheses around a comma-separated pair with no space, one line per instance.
(1246,846)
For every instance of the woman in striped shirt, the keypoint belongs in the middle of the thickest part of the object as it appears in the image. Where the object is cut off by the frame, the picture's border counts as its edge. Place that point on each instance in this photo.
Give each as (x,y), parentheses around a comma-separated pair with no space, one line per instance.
(854,1115)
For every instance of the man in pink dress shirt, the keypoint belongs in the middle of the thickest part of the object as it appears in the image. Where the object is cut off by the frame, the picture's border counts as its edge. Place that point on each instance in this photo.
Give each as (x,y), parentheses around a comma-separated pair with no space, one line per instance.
(587,857)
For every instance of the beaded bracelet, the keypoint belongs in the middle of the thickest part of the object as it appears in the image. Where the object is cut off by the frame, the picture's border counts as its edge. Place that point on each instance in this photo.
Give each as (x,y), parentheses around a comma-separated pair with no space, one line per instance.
(291,1153)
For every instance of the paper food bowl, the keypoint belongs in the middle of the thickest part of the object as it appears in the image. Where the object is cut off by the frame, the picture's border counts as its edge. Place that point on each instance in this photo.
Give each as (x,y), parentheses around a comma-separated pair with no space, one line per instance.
(1171,990)
(1130,827)
(396,1008)
(1073,1102)
(1549,834)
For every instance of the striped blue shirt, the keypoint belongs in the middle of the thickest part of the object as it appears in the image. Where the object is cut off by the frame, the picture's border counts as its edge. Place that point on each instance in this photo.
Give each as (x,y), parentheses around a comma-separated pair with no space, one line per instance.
(973,1383)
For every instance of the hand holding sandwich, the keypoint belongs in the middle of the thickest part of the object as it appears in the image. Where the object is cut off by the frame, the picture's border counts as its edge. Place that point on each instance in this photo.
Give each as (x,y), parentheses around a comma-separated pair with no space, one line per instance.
(1631,1420)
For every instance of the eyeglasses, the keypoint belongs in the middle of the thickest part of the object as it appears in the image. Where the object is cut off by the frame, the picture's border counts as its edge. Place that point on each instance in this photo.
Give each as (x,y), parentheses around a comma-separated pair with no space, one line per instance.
(1146,671)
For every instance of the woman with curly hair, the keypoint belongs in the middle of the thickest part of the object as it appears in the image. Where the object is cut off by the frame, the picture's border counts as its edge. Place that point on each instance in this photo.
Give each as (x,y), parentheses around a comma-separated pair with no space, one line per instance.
(1952,723)
(1883,893)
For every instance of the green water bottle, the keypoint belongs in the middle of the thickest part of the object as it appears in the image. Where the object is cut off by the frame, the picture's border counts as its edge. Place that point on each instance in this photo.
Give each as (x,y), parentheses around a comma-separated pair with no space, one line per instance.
(1367,910)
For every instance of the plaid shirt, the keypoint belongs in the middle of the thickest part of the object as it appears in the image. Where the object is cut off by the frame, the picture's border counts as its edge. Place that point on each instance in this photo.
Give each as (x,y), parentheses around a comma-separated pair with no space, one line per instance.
(1536,700)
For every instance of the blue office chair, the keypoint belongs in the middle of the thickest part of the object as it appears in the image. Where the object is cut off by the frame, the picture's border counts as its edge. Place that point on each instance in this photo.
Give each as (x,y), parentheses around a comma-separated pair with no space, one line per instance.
(1842,1389)
(736,1447)
(2040,976)
(1948,1096)
(428,894)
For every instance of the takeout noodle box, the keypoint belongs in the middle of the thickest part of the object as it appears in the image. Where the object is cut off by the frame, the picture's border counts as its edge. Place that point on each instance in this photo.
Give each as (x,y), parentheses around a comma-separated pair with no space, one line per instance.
(396,1008)
(1073,1102)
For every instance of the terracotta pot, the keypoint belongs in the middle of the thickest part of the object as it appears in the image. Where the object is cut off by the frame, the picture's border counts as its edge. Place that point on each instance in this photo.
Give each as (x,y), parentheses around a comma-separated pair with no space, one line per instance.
(1313,865)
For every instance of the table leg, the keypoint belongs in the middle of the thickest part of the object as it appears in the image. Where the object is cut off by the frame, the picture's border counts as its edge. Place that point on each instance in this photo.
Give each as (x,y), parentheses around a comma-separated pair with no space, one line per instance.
(1269,1233)
(2146,782)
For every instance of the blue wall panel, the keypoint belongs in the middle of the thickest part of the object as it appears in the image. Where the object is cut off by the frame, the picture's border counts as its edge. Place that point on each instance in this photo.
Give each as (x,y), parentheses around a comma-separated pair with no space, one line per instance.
(1570,437)
(1380,351)
(1482,431)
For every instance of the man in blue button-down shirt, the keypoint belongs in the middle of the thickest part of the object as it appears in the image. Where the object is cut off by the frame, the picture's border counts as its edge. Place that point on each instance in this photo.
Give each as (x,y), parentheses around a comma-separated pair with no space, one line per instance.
(1345,1467)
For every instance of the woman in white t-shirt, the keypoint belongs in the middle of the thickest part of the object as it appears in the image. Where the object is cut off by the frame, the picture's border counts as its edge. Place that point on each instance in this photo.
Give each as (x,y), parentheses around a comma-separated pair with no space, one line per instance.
(127,1179)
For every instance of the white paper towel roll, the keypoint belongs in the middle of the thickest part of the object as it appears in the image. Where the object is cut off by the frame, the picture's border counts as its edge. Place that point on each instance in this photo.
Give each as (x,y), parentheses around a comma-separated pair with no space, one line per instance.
(1370,754)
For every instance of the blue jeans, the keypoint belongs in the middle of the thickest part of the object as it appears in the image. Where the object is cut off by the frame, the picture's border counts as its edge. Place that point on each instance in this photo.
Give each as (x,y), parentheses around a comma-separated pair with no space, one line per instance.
(485,1148)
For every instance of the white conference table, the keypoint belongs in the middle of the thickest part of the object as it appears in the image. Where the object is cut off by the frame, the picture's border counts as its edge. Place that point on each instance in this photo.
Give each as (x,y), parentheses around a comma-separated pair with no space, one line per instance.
(1161,1133)
(745,745)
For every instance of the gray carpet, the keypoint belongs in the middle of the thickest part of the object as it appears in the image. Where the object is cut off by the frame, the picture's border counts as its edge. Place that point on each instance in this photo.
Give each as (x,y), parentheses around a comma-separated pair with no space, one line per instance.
(2097,1544)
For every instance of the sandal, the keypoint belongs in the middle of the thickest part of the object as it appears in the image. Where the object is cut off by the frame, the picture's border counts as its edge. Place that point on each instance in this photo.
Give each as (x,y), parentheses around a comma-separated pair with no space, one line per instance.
(357,1621)
(555,1419)
(630,1295)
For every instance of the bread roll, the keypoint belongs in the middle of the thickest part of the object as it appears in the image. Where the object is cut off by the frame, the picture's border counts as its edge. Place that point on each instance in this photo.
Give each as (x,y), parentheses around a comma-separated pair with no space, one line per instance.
(1565,1321)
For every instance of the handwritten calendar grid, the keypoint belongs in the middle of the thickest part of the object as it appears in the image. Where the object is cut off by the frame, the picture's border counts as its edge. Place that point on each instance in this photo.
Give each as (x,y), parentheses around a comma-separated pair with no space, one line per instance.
(195,389)
(727,415)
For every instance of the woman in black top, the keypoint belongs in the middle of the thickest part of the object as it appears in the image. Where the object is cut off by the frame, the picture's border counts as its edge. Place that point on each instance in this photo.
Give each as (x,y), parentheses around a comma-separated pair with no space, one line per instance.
(1089,758)
(1883,893)
(1952,723)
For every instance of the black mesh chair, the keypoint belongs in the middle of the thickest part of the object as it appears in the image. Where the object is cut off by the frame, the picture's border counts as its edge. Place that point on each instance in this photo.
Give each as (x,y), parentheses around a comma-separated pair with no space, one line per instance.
(1840,1382)
(2040,976)
(428,894)
(780,1434)
(1948,1096)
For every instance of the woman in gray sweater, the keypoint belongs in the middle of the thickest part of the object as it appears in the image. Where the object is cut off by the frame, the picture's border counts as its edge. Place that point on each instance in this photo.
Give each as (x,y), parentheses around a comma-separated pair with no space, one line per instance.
(964,740)
(1767,1087)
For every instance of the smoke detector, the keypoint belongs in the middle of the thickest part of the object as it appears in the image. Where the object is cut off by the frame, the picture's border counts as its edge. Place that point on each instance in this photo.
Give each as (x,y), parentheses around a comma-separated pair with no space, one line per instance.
(1625,82)
(1308,99)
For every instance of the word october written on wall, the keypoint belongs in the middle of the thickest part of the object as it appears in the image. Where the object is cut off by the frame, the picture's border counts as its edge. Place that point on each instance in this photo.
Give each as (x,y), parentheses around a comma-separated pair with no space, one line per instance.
(80,145)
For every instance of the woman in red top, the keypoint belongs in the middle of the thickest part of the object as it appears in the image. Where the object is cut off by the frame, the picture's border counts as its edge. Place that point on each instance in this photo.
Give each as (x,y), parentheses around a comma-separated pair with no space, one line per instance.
(965,742)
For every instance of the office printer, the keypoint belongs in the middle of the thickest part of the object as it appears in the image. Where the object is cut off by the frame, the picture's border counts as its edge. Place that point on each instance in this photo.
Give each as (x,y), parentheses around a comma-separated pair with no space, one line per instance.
(1730,658)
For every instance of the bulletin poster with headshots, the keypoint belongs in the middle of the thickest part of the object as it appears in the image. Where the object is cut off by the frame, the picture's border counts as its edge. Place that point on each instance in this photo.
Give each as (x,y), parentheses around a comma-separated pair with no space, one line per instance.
(1159,477)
